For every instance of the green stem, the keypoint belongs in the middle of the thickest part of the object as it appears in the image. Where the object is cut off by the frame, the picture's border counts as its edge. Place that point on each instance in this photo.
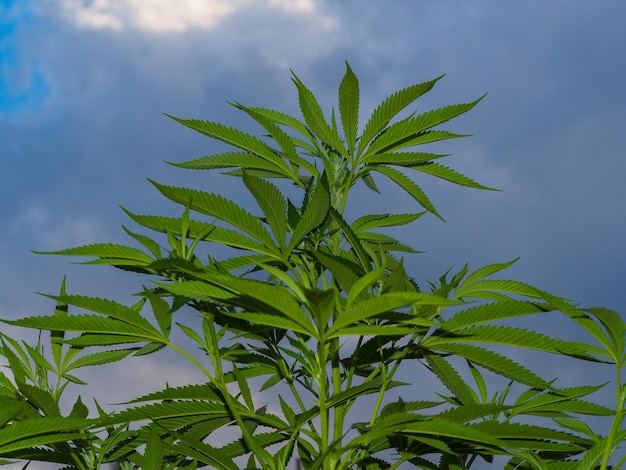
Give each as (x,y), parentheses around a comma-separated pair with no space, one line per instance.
(617,419)
(218,379)
(322,383)
(339,411)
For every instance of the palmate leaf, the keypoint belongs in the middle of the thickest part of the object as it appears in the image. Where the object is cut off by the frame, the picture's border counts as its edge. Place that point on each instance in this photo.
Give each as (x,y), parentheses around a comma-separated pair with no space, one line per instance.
(390,108)
(409,425)
(372,221)
(314,214)
(106,251)
(384,242)
(487,270)
(283,119)
(472,412)
(496,363)
(99,358)
(531,436)
(91,324)
(345,273)
(36,432)
(201,452)
(494,311)
(272,203)
(243,160)
(352,238)
(506,336)
(483,289)
(451,379)
(448,174)
(409,186)
(404,159)
(384,303)
(614,326)
(252,295)
(396,134)
(236,138)
(314,117)
(349,107)
(287,143)
(107,307)
(221,208)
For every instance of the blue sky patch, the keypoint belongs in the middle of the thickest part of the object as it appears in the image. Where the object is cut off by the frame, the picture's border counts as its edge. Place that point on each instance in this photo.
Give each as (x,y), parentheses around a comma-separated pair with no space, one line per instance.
(22,86)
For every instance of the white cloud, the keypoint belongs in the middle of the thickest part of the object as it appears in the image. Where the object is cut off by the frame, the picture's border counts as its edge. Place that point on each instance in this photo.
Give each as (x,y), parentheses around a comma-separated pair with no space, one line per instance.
(99,14)
(167,16)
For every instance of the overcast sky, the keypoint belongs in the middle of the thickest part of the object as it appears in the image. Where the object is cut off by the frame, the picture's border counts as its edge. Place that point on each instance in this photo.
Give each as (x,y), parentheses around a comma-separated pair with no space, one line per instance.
(83,85)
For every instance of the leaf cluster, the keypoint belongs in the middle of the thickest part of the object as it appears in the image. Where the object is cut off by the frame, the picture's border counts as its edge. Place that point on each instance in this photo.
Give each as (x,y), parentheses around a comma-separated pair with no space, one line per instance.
(318,312)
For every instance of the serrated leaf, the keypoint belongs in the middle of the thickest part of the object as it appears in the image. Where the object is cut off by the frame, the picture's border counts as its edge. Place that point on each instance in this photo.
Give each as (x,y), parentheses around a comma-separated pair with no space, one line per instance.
(492,312)
(243,160)
(371,221)
(448,174)
(105,251)
(272,203)
(409,186)
(480,288)
(497,363)
(314,214)
(451,379)
(314,117)
(99,358)
(349,107)
(396,134)
(390,107)
(404,159)
(383,303)
(222,208)
(236,138)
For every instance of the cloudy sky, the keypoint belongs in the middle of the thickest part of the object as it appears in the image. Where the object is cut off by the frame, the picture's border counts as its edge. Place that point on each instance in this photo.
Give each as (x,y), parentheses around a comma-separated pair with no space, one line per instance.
(84,85)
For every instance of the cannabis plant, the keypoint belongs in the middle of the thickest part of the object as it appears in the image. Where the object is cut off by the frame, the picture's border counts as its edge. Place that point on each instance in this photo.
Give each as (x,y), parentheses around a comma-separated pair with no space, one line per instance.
(317,343)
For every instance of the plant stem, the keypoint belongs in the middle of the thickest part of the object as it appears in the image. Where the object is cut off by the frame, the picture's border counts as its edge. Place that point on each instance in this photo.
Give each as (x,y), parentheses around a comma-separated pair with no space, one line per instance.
(617,419)
(322,383)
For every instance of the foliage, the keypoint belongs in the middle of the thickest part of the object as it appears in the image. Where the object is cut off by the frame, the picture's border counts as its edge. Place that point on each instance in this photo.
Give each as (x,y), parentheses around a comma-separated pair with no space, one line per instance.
(319,310)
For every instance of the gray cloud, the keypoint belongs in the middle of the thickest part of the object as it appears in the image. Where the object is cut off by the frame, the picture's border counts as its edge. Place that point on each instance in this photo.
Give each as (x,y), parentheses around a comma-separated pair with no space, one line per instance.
(548,133)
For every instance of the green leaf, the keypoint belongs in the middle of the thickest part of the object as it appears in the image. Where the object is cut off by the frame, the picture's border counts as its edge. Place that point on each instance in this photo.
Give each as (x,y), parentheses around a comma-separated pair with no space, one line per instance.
(491,312)
(89,324)
(481,288)
(395,135)
(451,379)
(222,208)
(150,244)
(448,174)
(272,203)
(287,144)
(105,251)
(507,336)
(404,159)
(153,456)
(244,160)
(384,303)
(372,221)
(237,139)
(364,282)
(349,107)
(409,186)
(79,410)
(99,358)
(314,117)
(389,108)
(497,363)
(314,214)
(36,432)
